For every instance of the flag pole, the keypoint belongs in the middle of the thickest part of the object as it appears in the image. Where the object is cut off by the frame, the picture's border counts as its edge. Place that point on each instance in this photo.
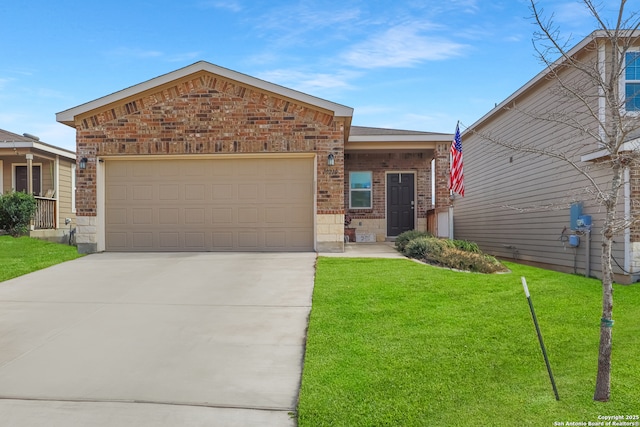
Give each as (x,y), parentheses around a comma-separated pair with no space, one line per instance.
(544,350)
(451,179)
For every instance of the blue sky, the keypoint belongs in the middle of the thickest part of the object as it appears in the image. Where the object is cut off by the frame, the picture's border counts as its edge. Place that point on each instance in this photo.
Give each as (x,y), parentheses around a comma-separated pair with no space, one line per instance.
(412,64)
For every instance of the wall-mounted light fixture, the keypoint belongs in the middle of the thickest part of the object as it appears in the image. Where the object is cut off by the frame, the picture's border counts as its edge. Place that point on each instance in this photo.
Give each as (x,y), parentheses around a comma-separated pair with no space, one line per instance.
(83,163)
(331,159)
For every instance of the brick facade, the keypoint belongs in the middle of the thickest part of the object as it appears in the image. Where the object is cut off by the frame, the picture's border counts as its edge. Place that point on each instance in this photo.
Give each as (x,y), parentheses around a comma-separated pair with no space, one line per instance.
(207,114)
(374,220)
(442,177)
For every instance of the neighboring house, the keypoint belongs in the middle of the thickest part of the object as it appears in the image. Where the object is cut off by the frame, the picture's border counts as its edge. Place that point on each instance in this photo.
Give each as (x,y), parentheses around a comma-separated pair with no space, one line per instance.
(519,205)
(209,159)
(52,172)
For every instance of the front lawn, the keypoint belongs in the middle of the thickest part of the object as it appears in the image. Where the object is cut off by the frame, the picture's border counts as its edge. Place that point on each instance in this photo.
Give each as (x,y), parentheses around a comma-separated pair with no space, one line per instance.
(395,343)
(23,255)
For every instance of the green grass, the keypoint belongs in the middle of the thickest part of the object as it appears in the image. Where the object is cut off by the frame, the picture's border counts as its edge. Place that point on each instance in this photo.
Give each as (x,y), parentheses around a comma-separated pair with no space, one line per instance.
(396,343)
(23,255)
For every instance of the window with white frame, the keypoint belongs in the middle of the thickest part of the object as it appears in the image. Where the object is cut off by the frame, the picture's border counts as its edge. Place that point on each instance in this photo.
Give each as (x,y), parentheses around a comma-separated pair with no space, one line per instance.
(360,194)
(632,81)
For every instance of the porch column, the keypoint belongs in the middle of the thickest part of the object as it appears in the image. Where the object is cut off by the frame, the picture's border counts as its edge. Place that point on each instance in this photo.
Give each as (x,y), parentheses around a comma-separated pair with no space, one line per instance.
(29,173)
(29,157)
(444,218)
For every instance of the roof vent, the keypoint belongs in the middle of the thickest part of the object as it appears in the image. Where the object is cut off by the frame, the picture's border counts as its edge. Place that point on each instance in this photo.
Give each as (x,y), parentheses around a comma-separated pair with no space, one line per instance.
(28,135)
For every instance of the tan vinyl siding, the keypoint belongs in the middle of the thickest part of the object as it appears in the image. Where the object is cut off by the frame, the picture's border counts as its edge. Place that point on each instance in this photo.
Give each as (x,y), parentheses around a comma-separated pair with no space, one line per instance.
(48,177)
(521,200)
(64,198)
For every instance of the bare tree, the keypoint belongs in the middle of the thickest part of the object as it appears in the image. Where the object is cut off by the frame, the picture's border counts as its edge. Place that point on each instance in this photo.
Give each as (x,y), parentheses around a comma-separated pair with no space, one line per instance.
(594,111)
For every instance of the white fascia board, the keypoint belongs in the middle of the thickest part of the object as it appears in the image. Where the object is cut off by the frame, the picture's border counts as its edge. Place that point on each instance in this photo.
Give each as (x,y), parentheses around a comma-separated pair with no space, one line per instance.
(39,146)
(401,138)
(67,116)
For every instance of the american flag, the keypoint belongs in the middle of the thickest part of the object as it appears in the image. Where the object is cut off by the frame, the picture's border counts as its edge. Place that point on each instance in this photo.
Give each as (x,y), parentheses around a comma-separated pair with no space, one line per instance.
(456,176)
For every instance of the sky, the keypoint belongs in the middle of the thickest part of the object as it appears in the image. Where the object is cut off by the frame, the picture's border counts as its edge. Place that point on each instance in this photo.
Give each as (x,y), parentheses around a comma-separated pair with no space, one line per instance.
(402,64)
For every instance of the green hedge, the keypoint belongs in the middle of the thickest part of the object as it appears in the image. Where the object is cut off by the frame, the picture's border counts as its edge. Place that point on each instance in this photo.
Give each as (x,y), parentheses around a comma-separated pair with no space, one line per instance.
(16,211)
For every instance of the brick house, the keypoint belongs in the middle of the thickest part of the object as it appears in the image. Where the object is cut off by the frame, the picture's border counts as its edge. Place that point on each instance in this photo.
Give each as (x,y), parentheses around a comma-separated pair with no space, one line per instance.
(209,159)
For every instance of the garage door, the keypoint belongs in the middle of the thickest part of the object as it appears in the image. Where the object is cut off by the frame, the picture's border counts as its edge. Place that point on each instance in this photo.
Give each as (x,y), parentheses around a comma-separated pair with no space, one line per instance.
(256,204)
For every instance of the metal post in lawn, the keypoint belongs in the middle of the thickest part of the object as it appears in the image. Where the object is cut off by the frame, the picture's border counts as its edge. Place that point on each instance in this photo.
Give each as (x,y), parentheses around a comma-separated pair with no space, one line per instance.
(544,350)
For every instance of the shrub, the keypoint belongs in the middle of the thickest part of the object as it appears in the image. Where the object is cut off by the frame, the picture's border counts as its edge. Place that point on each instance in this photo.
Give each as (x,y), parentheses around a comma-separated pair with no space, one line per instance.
(424,246)
(467,246)
(407,236)
(467,261)
(458,254)
(16,210)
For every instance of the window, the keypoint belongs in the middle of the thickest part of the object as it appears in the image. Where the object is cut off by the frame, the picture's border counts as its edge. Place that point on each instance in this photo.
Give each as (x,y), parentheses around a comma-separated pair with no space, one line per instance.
(360,190)
(632,81)
(21,179)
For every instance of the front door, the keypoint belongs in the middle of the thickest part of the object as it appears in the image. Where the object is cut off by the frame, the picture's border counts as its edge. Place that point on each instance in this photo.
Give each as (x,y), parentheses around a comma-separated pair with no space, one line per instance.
(400,203)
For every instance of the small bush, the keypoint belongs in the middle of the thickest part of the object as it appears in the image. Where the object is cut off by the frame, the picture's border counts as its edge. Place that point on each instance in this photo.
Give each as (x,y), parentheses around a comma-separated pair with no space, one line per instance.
(422,247)
(16,211)
(458,254)
(467,261)
(407,236)
(467,246)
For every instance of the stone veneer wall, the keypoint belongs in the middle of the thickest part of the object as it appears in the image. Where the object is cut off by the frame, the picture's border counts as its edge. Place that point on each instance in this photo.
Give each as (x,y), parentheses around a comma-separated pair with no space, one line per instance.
(207,114)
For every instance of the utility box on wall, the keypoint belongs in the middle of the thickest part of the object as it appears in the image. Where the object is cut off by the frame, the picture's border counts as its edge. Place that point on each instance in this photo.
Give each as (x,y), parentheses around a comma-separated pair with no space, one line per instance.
(575,213)
(574,240)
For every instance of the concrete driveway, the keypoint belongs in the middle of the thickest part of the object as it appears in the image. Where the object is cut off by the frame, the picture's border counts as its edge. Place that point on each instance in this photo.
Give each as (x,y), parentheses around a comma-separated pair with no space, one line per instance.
(205,339)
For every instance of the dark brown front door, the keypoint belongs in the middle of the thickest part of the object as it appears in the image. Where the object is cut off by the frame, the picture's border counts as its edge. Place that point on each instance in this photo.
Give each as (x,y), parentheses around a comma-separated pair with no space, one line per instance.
(400,203)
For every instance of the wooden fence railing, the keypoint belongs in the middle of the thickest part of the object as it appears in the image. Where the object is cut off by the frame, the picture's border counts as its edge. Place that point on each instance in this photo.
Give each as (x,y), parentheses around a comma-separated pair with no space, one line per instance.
(45,216)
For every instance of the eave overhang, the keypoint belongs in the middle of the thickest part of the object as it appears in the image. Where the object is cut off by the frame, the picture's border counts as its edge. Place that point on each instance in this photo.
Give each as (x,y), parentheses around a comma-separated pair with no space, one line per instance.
(417,142)
(40,147)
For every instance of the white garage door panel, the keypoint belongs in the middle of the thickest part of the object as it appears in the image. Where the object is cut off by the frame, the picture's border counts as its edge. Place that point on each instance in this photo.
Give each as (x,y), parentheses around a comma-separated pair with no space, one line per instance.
(209,205)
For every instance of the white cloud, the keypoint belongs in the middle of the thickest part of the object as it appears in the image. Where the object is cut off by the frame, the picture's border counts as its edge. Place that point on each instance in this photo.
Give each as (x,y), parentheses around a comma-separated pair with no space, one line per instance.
(55,134)
(311,83)
(135,53)
(401,46)
(230,5)
(4,81)
(186,56)
(570,14)
(8,119)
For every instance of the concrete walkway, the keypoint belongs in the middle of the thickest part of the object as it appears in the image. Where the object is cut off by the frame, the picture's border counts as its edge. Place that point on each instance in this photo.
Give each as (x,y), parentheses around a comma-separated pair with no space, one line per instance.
(206,339)
(367,250)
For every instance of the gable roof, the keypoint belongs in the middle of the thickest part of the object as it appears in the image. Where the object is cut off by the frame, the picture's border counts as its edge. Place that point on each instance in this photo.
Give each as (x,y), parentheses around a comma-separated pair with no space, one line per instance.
(67,116)
(594,36)
(13,140)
